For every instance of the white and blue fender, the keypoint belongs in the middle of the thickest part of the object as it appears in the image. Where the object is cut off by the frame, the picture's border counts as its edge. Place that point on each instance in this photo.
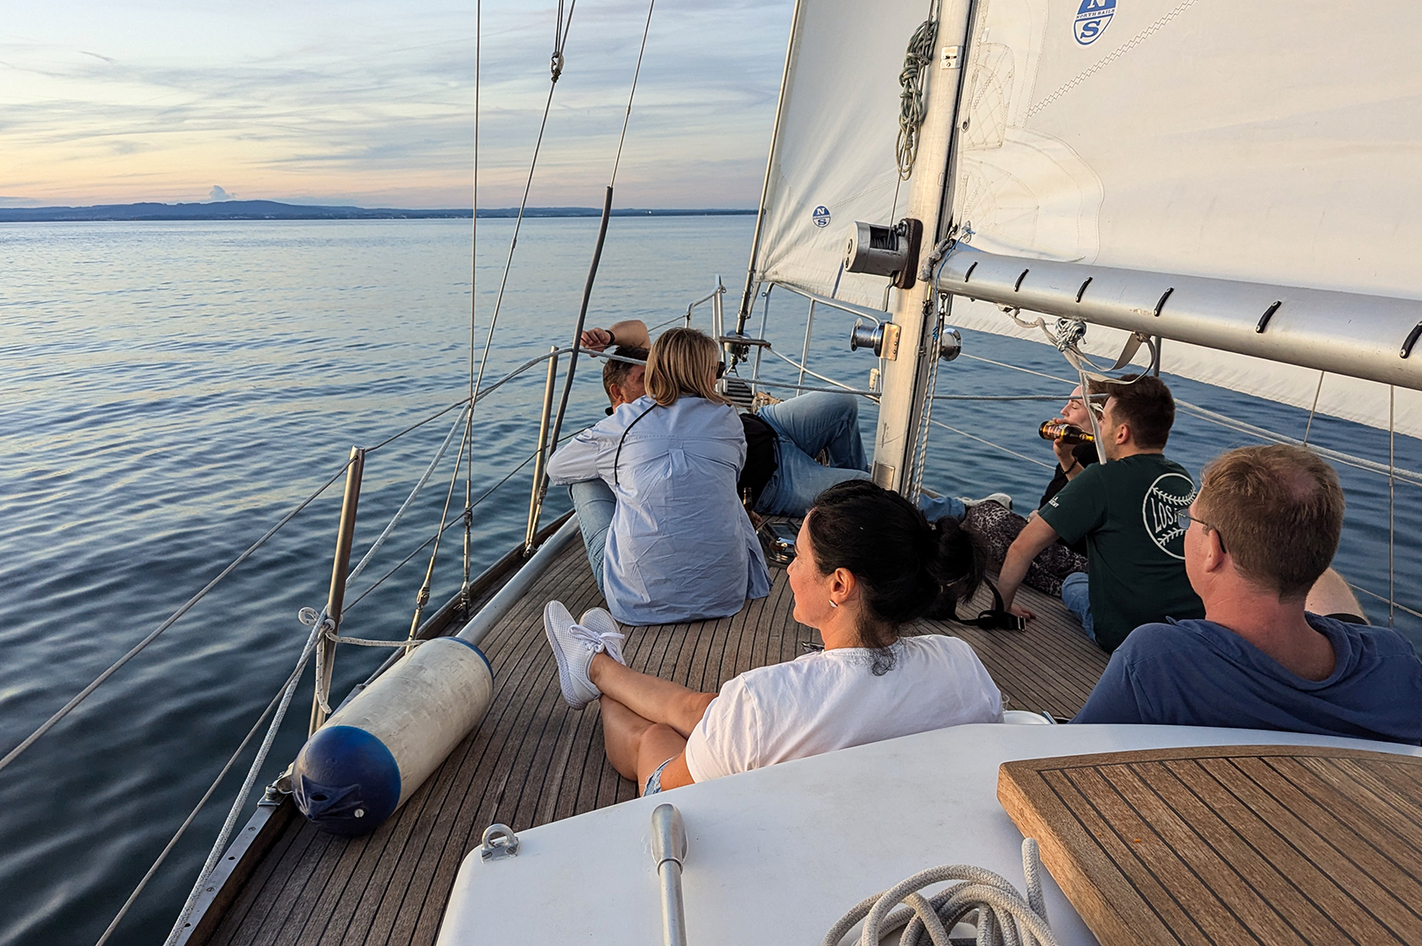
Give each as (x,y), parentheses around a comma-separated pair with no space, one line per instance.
(373,753)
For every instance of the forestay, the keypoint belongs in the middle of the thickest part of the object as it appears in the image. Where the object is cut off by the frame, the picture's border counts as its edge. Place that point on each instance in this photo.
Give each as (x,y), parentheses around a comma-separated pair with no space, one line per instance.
(833,161)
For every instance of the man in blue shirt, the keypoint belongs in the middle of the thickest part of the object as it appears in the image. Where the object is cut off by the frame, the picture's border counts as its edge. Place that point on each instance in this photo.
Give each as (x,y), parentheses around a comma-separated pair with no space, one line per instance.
(1259,537)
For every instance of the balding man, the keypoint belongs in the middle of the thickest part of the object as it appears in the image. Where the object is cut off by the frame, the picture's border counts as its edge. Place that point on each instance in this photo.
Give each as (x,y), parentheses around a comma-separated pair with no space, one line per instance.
(1259,539)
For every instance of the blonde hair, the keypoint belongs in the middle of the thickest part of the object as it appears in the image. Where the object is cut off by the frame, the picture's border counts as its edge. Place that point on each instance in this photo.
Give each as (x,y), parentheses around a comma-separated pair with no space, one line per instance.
(683,361)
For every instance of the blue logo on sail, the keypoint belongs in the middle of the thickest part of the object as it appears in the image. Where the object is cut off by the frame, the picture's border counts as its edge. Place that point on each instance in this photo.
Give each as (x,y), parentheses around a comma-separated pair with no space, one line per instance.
(821,216)
(1092,18)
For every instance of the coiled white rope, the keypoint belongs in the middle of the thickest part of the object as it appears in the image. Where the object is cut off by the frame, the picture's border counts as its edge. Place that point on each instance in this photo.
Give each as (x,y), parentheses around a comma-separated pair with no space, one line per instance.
(1003,918)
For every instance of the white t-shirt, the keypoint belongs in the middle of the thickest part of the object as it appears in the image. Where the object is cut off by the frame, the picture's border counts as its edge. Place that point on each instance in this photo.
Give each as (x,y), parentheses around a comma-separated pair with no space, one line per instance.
(831,700)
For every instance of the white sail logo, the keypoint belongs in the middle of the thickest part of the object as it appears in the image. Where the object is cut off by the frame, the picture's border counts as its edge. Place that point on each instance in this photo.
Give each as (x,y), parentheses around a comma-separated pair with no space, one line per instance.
(1160,512)
(821,216)
(1092,18)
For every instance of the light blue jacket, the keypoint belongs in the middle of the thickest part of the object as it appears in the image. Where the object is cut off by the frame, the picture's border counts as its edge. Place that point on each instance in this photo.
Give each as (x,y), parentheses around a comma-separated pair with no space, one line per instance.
(681,547)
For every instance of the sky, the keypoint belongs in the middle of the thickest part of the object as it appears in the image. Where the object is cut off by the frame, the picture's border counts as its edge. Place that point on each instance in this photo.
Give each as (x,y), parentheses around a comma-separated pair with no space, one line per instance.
(371,102)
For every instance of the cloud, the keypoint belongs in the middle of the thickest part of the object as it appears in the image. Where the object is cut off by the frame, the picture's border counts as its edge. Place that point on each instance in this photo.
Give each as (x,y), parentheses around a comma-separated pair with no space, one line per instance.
(379,101)
(219,193)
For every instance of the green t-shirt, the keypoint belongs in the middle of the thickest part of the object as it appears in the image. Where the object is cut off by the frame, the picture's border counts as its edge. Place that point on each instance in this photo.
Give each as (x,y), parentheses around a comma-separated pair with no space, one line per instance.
(1127,510)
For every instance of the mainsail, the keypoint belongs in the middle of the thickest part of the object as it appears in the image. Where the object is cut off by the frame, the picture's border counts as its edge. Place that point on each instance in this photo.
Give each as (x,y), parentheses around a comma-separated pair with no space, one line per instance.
(1270,142)
(833,160)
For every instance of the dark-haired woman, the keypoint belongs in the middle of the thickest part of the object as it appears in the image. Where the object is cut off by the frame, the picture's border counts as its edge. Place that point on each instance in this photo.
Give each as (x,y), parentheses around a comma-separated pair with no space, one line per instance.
(866,563)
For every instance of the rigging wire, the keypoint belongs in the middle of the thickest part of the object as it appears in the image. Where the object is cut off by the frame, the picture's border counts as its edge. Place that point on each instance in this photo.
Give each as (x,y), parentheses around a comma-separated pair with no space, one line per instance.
(113,668)
(1314,409)
(597,250)
(560,39)
(425,544)
(317,631)
(995,446)
(473,293)
(1391,505)
(422,597)
(187,822)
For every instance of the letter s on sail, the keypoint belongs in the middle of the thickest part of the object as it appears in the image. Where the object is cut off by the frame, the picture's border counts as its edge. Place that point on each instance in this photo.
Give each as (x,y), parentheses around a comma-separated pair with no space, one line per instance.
(1092,18)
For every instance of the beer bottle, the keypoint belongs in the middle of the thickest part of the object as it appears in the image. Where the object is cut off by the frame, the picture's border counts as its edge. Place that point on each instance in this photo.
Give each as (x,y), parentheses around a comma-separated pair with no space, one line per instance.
(1066,433)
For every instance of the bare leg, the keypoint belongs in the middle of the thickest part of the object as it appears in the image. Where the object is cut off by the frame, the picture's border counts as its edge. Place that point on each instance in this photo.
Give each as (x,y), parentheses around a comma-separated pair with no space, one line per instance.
(636,745)
(650,698)
(1331,595)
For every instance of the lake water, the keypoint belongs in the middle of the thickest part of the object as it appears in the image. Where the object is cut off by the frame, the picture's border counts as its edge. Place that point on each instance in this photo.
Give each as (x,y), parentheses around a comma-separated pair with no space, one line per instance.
(171,390)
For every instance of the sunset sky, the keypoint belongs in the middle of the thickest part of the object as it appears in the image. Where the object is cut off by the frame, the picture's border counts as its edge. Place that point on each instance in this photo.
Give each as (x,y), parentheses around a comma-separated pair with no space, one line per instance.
(371,102)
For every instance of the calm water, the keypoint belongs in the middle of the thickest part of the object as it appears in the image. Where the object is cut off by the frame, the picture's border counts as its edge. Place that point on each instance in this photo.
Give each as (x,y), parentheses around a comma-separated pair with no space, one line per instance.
(171,390)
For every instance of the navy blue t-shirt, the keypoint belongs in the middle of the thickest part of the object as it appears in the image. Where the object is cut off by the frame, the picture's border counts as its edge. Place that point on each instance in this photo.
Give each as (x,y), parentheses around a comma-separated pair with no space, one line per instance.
(1198,673)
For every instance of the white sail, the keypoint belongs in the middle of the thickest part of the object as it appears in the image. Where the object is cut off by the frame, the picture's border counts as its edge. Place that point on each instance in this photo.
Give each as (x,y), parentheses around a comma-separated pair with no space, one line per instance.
(1274,142)
(833,160)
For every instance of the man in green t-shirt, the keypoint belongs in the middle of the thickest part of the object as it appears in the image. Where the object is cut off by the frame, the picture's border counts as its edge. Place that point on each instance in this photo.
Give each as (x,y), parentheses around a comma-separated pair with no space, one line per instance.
(1127,509)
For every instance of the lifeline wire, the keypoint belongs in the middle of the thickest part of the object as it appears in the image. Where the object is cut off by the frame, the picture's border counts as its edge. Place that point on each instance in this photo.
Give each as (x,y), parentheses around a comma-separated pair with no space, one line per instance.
(187,822)
(249,781)
(83,694)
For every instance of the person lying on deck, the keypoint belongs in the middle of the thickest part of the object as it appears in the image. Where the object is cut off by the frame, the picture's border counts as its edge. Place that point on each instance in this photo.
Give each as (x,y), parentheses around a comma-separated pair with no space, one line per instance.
(1283,644)
(783,439)
(655,489)
(1126,509)
(866,563)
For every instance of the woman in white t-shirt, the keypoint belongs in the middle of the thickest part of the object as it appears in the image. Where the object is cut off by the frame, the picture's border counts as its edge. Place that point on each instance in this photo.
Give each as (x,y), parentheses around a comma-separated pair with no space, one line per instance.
(866,563)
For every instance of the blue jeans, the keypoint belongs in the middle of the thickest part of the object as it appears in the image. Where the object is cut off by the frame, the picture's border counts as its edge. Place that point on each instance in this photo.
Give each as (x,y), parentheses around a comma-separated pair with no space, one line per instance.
(1076,595)
(805,426)
(595,504)
(941,507)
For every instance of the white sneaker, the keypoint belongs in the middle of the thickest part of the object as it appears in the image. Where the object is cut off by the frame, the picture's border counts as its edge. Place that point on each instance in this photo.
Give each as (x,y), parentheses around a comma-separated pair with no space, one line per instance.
(601,623)
(574,647)
(1002,499)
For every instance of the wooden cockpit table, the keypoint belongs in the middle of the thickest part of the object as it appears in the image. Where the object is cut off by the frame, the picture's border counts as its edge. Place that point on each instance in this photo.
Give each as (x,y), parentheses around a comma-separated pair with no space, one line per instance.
(1265,845)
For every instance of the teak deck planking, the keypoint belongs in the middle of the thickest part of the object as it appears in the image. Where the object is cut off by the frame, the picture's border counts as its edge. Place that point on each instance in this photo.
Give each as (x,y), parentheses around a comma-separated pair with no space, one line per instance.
(533,760)
(1271,845)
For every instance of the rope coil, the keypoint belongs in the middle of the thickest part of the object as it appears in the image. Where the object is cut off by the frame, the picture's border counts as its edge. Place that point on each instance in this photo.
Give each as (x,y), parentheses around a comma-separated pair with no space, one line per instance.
(1003,917)
(917,59)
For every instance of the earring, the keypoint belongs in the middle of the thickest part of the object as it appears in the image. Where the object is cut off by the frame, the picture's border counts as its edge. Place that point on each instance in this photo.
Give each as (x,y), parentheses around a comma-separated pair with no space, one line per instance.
(833,603)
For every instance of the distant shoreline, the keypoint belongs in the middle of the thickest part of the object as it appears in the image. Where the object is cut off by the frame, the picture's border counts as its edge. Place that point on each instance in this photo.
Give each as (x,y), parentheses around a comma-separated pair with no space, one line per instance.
(275,210)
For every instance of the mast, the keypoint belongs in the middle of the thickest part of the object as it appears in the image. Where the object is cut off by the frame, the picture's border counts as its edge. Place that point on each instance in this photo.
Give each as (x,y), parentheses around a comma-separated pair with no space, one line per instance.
(905,376)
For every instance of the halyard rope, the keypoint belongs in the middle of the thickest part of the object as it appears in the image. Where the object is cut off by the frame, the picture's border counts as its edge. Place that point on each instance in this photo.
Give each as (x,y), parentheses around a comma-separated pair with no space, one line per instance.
(917,59)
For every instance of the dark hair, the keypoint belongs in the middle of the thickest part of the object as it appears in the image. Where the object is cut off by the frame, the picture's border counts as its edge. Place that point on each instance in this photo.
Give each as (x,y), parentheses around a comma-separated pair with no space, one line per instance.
(901,561)
(1144,404)
(615,372)
(1279,512)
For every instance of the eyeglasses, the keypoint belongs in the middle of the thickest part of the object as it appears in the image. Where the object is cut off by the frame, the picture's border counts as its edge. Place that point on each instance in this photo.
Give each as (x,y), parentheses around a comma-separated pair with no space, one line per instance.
(720,370)
(1183,518)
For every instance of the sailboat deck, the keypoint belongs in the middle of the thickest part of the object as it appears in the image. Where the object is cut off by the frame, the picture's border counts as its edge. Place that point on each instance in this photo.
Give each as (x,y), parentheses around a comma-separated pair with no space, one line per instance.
(533,760)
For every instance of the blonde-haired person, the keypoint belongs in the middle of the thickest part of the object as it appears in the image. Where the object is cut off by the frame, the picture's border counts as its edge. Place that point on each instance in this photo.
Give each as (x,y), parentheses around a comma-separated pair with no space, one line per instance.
(655,489)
